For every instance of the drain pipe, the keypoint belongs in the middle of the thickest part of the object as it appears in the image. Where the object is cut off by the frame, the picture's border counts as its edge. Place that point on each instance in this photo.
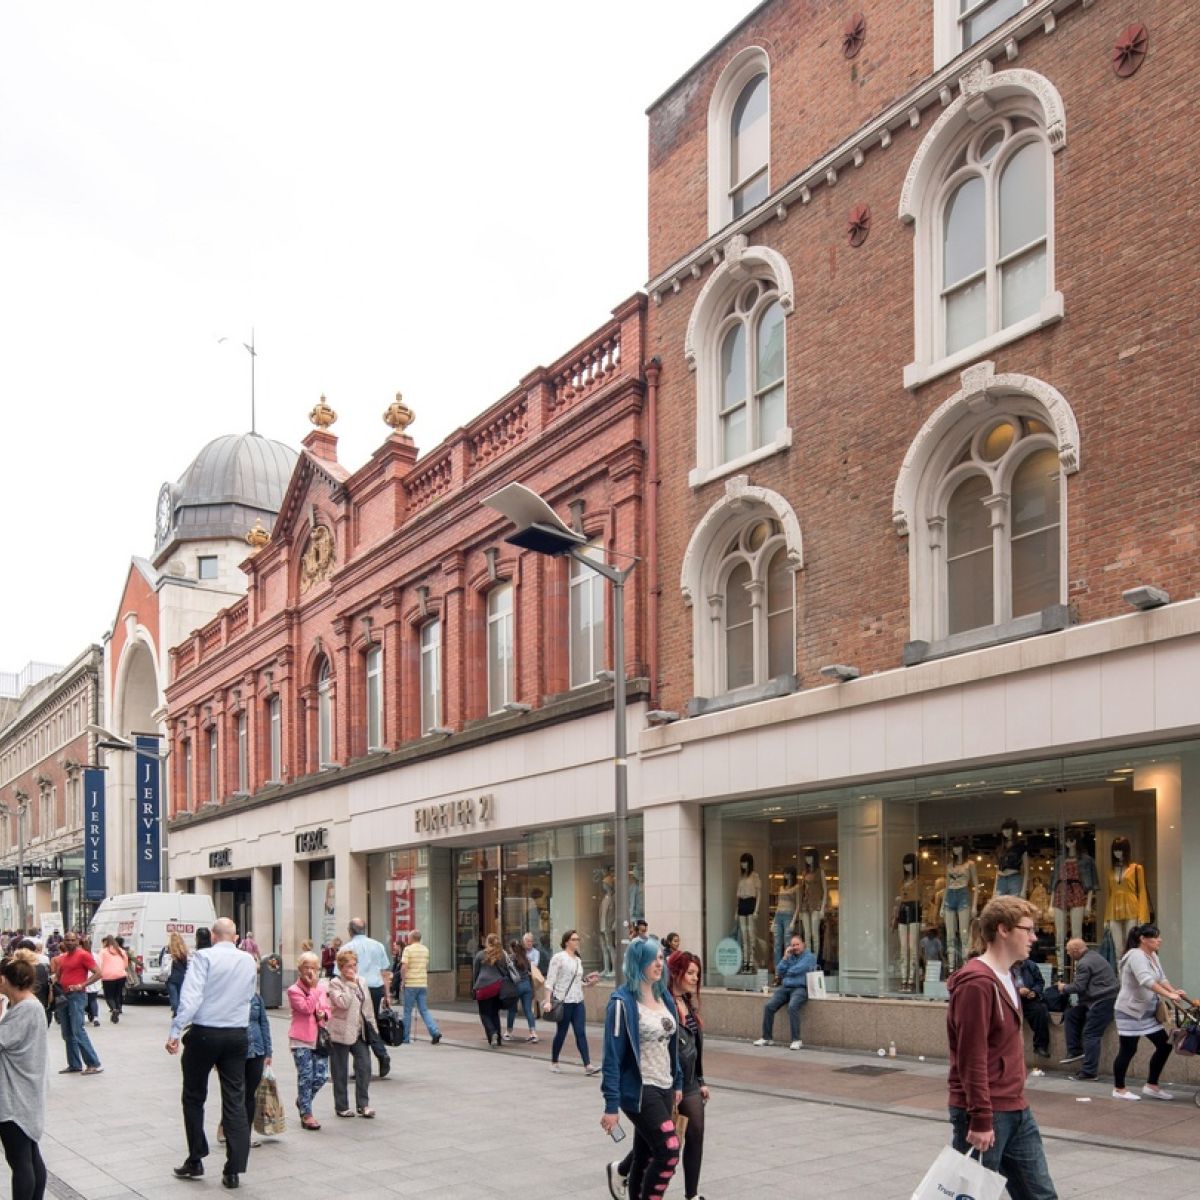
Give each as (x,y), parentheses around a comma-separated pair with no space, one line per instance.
(653,369)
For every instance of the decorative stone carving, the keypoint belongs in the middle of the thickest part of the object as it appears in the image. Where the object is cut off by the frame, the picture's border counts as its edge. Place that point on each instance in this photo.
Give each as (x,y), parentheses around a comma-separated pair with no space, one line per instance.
(398,415)
(972,80)
(257,537)
(322,416)
(316,564)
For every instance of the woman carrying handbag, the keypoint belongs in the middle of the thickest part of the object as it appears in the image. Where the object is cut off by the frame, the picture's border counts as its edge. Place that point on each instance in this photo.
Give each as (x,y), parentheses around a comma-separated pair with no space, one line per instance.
(310,1010)
(563,1001)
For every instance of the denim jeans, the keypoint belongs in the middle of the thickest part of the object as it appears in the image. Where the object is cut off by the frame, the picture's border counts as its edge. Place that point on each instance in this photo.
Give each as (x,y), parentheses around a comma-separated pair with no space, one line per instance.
(794,998)
(416,996)
(311,1072)
(574,1019)
(80,1052)
(1085,1026)
(525,999)
(782,927)
(1017,1152)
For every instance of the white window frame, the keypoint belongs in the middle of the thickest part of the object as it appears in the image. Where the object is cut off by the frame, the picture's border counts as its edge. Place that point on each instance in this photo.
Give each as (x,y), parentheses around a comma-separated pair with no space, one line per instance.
(373,695)
(188,795)
(740,70)
(275,724)
(500,637)
(431,675)
(582,581)
(243,752)
(325,748)
(202,559)
(947,29)
(214,765)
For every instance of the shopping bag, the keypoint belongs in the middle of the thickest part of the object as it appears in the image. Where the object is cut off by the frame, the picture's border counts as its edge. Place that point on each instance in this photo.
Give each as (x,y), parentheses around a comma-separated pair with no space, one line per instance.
(391,1027)
(816,985)
(955,1176)
(268,1111)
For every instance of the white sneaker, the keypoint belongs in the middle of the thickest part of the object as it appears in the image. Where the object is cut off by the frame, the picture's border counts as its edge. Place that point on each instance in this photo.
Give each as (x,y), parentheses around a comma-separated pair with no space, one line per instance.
(1153,1092)
(618,1184)
(508,1037)
(763,1042)
(1119,1095)
(796,1046)
(558,1070)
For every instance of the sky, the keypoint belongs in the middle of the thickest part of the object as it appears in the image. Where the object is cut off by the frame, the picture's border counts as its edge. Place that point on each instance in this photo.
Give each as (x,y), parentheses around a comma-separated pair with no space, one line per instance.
(430,199)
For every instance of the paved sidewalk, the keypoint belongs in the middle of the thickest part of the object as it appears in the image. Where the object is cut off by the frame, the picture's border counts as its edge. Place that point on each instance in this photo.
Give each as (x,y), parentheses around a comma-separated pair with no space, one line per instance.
(463,1122)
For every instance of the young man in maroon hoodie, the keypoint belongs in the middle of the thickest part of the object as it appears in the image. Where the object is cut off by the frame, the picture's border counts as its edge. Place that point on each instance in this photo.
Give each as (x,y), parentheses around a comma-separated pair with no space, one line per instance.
(988,1110)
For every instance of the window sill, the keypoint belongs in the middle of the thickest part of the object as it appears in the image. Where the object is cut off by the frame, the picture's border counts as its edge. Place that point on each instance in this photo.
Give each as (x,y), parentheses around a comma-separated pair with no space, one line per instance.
(698,476)
(1052,618)
(781,685)
(917,373)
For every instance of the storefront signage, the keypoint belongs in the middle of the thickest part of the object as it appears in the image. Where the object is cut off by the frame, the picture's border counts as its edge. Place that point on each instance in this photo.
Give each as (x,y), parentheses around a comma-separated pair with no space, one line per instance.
(149,866)
(312,840)
(455,814)
(729,956)
(220,858)
(95,881)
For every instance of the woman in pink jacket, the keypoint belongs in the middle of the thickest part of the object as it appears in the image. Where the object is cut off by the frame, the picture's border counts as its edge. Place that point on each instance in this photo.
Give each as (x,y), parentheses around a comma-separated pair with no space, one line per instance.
(310,1010)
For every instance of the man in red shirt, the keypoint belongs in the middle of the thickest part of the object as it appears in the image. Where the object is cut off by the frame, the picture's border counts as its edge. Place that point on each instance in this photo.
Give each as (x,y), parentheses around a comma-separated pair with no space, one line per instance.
(988,1109)
(73,970)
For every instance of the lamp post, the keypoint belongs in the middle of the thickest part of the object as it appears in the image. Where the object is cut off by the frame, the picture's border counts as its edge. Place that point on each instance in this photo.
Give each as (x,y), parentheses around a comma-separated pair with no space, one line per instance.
(540,530)
(22,809)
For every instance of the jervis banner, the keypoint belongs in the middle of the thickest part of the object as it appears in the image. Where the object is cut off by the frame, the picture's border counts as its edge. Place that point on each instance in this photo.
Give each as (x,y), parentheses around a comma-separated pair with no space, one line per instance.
(149,815)
(95,881)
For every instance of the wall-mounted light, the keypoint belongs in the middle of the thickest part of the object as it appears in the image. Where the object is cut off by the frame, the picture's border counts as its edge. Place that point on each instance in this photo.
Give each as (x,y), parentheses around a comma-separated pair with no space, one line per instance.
(1146,597)
(840,672)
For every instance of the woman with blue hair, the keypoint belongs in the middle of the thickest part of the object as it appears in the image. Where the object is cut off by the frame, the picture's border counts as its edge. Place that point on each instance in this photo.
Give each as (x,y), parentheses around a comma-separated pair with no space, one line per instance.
(642,1075)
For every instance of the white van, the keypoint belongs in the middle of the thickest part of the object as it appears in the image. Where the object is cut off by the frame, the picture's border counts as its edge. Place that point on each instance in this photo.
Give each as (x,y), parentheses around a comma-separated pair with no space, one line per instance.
(145,921)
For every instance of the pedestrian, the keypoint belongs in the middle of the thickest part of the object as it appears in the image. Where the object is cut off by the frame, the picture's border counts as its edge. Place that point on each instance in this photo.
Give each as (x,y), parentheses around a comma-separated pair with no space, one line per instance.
(329,957)
(250,946)
(486,977)
(397,984)
(565,981)
(72,971)
(215,1003)
(516,954)
(1095,983)
(177,954)
(22,1075)
(670,944)
(414,977)
(1030,986)
(310,1010)
(258,1059)
(643,1077)
(203,938)
(792,969)
(375,973)
(988,1109)
(114,963)
(351,1019)
(43,988)
(1137,1010)
(92,991)
(532,953)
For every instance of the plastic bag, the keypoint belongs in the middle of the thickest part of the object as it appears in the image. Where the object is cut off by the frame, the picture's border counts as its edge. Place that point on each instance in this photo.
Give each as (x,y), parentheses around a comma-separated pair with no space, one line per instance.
(960,1176)
(268,1111)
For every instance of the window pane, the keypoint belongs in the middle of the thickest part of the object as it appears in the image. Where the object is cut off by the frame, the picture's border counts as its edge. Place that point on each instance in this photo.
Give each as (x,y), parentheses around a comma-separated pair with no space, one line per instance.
(1023,199)
(374,699)
(737,596)
(986,17)
(598,656)
(431,671)
(733,368)
(739,629)
(500,648)
(969,587)
(1022,285)
(770,347)
(1035,572)
(963,246)
(966,316)
(748,131)
(968,526)
(1035,492)
(733,434)
(781,652)
(772,415)
(750,194)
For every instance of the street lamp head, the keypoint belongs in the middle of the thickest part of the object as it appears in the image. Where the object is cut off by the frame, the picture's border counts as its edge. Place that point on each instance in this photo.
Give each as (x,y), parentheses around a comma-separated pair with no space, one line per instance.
(539,527)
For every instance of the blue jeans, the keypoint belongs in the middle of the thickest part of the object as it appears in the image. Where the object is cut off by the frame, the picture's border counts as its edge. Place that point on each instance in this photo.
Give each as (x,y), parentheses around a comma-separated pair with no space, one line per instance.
(525,997)
(416,996)
(75,1034)
(1017,1152)
(1085,1026)
(794,998)
(574,1018)
(782,926)
(173,996)
(311,1072)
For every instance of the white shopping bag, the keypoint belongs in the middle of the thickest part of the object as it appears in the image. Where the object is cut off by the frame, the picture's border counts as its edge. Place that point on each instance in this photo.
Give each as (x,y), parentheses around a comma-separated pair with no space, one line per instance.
(955,1176)
(816,985)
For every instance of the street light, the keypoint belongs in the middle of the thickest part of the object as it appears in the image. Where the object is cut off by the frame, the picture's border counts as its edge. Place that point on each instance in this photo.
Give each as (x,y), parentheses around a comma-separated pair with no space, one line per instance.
(540,530)
(6,813)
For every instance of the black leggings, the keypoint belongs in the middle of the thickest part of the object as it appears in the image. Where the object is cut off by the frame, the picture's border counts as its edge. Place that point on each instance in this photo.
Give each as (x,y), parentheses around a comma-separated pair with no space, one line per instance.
(1162,1051)
(25,1159)
(489,1016)
(692,1107)
(114,994)
(655,1145)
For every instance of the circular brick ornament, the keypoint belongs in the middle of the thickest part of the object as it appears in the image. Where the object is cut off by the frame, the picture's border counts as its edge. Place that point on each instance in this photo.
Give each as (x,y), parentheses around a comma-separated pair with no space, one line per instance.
(1129,50)
(854,33)
(858,226)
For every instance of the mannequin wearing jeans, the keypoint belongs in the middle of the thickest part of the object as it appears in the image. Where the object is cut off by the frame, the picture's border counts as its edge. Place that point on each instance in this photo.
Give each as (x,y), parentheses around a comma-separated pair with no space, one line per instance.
(908,922)
(749,894)
(1128,902)
(958,903)
(786,912)
(1012,863)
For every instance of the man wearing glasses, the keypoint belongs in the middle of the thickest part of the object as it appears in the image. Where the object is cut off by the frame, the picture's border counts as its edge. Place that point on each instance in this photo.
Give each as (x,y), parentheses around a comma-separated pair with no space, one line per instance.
(988,1109)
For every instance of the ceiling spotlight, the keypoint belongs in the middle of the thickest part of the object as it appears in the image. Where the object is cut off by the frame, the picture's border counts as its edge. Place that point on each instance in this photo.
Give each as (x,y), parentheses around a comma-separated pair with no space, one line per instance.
(515,706)
(840,671)
(1146,597)
(661,716)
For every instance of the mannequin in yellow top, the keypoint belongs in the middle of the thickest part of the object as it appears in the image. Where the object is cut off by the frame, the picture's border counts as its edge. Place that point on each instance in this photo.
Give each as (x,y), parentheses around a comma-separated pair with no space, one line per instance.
(1128,902)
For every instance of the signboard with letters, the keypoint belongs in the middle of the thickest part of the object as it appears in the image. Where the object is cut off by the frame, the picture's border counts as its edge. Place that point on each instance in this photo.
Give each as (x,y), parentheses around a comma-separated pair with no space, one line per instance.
(464,814)
(312,841)
(220,858)
(149,814)
(95,881)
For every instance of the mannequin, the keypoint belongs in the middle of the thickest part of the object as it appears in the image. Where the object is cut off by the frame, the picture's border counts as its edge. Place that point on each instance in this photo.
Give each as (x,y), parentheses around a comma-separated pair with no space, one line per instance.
(608,922)
(1012,863)
(959,903)
(637,910)
(749,893)
(814,895)
(787,914)
(1128,902)
(1072,890)
(908,922)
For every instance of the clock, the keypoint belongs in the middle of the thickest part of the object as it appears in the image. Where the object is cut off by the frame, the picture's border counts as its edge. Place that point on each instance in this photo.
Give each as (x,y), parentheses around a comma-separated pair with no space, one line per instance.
(166,508)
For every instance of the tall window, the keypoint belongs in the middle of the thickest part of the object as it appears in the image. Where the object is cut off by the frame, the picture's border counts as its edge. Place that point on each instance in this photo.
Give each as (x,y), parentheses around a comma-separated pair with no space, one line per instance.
(74,801)
(758,607)
(500,659)
(749,147)
(753,403)
(431,675)
(214,775)
(374,697)
(586,623)
(993,222)
(324,715)
(275,722)
(243,753)
(739,138)
(188,796)
(45,811)
(977,18)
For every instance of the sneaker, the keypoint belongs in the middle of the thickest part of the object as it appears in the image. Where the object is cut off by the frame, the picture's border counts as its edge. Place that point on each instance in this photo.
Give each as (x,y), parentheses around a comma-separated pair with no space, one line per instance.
(96,1022)
(556,1068)
(532,1037)
(1070,1059)
(435,1038)
(1119,1095)
(763,1042)
(508,1037)
(1080,1077)
(796,1045)
(592,1069)
(1153,1092)
(618,1184)
(255,1143)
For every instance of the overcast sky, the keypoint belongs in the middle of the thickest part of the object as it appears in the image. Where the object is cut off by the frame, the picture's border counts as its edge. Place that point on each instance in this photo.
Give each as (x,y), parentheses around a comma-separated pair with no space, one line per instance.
(426,198)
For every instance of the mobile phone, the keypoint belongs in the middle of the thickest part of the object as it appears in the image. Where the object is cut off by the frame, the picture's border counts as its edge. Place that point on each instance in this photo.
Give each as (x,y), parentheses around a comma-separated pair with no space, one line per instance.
(617,1133)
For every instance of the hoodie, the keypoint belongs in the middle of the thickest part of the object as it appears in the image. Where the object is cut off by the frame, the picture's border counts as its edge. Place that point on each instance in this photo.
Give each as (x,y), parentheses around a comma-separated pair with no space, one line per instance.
(621,1080)
(987,1056)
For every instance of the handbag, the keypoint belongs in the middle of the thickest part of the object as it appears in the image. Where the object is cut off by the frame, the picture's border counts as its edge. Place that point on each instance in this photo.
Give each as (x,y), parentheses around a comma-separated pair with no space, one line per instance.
(323,1044)
(1162,1012)
(960,1175)
(489,990)
(391,1027)
(268,1111)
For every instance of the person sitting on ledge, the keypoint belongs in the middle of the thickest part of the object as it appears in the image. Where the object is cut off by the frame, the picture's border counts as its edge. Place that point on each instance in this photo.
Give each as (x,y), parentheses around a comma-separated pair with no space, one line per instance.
(792,969)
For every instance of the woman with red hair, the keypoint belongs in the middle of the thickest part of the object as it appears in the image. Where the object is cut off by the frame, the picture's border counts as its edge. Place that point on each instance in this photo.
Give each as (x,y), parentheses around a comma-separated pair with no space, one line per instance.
(684,969)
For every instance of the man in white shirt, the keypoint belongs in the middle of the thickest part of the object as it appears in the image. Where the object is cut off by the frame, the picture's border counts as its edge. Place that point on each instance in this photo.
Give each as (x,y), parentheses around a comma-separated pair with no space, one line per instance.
(215,1003)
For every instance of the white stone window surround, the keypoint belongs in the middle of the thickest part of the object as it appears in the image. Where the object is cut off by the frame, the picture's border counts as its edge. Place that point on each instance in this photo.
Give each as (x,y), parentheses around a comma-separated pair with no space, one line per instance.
(947,29)
(738,72)
(922,483)
(702,348)
(983,95)
(703,559)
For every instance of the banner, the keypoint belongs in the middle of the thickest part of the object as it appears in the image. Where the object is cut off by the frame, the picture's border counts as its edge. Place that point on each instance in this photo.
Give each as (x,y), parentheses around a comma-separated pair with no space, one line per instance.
(95,880)
(146,791)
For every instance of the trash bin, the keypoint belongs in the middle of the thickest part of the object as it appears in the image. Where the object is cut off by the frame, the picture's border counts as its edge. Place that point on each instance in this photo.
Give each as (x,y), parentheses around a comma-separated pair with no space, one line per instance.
(270,982)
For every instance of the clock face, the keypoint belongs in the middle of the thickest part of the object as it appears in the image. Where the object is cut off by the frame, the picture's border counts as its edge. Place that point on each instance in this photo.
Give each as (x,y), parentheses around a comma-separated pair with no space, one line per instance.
(163,523)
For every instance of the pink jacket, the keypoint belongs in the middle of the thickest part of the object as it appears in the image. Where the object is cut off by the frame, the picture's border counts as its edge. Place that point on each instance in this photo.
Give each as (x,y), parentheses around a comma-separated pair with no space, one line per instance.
(307,1004)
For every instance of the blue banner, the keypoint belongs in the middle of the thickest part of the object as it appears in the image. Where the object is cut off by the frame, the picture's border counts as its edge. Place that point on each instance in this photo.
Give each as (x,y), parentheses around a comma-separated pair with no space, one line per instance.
(149,815)
(95,882)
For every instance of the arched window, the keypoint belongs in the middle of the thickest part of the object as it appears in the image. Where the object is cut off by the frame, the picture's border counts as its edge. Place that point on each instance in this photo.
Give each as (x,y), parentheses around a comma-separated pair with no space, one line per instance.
(324,714)
(749,147)
(739,138)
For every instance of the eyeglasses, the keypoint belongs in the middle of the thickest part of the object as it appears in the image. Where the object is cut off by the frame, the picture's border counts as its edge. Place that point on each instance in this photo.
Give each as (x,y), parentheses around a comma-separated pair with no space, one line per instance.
(1026,928)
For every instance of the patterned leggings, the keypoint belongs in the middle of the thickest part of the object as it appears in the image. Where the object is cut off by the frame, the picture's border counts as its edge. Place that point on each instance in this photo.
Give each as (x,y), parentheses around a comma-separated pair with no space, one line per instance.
(311,1073)
(655,1145)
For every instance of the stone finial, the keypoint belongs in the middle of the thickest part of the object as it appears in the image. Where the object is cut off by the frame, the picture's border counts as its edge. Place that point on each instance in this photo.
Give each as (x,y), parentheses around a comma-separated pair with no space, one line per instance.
(399,416)
(322,416)
(257,537)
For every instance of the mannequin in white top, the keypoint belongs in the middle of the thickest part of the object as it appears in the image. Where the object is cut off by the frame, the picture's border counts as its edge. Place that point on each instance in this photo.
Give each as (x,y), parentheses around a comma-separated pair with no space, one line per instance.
(749,895)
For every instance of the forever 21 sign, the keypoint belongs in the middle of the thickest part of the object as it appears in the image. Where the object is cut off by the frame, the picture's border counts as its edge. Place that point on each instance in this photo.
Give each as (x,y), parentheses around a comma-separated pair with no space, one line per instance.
(455,814)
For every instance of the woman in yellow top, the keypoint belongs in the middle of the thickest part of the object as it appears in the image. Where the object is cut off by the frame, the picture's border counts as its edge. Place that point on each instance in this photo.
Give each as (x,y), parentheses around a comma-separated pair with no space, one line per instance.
(1128,902)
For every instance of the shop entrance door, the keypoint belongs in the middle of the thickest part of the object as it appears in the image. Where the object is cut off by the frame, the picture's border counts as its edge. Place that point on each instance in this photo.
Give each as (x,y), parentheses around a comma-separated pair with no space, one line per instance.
(476,908)
(231,898)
